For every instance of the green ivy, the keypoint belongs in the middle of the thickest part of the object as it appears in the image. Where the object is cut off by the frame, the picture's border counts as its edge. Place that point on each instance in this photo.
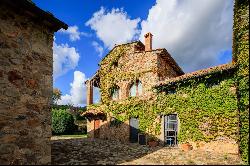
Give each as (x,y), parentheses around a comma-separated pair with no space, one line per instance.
(195,102)
(241,58)
(208,106)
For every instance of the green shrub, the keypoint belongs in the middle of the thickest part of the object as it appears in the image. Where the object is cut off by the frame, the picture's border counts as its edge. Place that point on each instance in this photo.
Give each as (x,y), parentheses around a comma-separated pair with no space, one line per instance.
(62,122)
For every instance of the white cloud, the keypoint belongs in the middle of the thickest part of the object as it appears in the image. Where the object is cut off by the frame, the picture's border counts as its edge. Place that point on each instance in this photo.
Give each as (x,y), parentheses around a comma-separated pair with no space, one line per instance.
(73,32)
(98,48)
(65,58)
(193,31)
(113,27)
(96,96)
(77,94)
(78,90)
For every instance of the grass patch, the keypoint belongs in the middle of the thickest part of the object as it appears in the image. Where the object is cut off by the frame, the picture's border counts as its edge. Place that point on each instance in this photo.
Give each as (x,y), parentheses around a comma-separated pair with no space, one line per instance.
(71,136)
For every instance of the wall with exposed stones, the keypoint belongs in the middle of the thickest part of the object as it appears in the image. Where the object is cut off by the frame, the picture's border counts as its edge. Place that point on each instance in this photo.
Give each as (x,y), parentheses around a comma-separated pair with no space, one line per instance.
(165,71)
(114,132)
(149,66)
(26,65)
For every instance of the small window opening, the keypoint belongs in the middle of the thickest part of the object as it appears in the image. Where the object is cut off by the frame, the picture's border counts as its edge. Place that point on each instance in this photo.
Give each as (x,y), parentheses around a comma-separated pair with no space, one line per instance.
(115,64)
(136,89)
(115,93)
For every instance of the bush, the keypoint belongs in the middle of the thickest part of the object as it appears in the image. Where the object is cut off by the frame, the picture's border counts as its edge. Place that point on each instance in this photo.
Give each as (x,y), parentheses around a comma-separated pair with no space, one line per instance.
(62,122)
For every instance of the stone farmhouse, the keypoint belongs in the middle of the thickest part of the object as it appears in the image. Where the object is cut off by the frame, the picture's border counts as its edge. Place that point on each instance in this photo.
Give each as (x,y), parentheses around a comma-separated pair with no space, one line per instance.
(135,73)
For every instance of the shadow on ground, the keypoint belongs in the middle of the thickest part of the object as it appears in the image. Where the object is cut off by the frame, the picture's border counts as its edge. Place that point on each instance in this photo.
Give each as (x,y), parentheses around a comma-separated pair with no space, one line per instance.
(85,151)
(96,151)
(107,146)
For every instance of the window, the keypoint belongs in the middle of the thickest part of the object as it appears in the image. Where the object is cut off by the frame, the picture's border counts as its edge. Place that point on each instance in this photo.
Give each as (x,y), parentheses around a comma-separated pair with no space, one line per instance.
(136,89)
(171,91)
(115,64)
(170,129)
(115,122)
(115,93)
(212,84)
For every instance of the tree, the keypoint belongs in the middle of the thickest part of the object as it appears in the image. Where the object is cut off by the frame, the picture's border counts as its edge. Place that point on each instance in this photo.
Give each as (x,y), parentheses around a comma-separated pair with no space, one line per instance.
(56,95)
(62,122)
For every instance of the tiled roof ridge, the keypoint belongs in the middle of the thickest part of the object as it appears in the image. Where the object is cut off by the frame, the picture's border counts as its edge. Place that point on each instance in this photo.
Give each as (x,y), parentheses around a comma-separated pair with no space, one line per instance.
(197,73)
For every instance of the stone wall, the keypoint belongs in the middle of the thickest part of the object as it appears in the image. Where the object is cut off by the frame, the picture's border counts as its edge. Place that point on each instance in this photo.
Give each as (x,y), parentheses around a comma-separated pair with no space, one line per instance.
(148,65)
(119,132)
(165,71)
(26,65)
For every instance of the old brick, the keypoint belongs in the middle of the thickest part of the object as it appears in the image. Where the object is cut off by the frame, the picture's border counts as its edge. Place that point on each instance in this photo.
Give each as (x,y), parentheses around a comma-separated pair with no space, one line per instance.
(8,139)
(186,147)
(32,107)
(23,132)
(31,83)
(1,73)
(21,117)
(12,34)
(14,45)
(16,61)
(4,45)
(14,76)
(33,122)
(24,141)
(7,148)
(12,92)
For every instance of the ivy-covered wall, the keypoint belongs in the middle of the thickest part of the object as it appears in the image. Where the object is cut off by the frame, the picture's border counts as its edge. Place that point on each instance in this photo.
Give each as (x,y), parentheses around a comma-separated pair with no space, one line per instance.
(241,58)
(128,62)
(210,107)
(206,107)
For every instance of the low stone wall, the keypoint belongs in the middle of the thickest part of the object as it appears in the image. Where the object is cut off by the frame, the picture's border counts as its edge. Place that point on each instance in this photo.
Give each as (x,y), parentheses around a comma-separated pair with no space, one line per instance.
(109,132)
(119,133)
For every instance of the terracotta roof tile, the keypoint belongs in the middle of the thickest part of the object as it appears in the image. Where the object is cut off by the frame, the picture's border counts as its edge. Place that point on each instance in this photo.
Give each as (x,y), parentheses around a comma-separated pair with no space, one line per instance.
(92,112)
(198,73)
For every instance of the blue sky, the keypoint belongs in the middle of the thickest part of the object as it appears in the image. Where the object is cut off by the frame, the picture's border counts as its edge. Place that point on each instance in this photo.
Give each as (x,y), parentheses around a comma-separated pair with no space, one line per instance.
(197,34)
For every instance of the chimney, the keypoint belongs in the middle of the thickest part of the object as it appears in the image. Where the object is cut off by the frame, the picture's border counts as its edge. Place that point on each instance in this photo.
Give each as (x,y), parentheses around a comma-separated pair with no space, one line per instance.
(148,41)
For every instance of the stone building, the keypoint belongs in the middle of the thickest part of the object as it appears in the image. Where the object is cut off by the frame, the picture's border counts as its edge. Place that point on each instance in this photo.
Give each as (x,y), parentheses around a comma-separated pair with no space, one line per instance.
(132,72)
(147,65)
(26,68)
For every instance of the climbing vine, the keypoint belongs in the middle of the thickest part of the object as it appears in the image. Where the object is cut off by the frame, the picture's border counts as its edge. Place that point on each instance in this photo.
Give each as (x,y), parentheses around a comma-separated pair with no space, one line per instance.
(241,58)
(110,74)
(206,107)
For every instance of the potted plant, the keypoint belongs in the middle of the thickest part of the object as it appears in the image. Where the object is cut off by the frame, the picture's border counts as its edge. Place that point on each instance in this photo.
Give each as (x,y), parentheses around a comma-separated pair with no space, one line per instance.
(186,146)
(152,141)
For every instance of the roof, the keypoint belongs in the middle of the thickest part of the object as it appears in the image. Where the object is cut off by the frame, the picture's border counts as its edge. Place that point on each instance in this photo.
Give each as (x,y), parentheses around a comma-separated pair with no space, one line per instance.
(198,73)
(170,60)
(27,7)
(118,45)
(92,112)
(167,56)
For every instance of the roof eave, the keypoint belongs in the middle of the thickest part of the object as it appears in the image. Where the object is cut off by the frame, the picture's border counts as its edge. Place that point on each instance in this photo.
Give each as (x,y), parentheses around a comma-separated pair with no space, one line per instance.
(199,73)
(31,9)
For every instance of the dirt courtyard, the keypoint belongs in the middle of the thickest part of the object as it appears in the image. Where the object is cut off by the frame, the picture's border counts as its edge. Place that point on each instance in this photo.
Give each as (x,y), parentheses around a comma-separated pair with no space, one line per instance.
(84,151)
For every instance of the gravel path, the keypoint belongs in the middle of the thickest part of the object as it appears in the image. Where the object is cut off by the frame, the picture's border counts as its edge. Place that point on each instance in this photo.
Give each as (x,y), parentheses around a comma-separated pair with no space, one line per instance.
(84,151)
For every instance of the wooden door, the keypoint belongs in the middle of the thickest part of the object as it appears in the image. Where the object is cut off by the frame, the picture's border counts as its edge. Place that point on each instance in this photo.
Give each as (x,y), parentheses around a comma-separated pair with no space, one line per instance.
(97,128)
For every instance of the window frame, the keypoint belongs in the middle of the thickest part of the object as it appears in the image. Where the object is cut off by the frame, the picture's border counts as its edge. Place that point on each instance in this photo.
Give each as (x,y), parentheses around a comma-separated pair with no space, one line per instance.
(115,89)
(136,84)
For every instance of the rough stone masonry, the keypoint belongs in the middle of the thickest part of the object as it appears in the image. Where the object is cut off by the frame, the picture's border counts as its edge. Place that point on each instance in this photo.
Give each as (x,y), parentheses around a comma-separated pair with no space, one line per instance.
(26,66)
